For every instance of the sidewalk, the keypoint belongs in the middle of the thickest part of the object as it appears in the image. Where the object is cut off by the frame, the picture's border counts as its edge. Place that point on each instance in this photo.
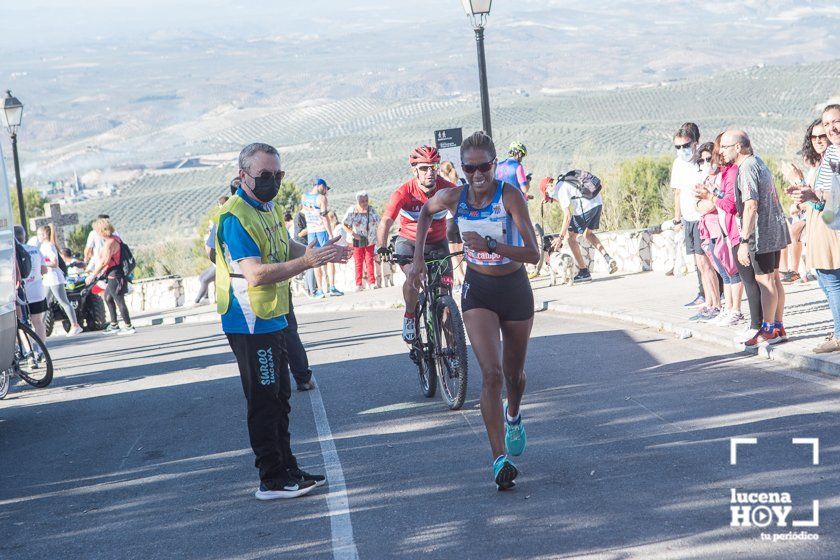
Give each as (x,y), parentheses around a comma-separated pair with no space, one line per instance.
(655,300)
(647,298)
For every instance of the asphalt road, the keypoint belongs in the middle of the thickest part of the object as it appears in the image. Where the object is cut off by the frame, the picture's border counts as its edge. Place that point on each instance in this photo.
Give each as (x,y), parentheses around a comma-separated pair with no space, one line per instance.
(139,450)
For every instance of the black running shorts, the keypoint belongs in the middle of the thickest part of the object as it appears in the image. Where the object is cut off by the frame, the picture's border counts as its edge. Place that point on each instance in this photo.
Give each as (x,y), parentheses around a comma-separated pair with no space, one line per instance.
(509,296)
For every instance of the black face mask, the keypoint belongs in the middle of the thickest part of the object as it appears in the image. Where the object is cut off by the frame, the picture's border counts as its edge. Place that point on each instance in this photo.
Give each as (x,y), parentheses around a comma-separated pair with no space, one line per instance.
(265,189)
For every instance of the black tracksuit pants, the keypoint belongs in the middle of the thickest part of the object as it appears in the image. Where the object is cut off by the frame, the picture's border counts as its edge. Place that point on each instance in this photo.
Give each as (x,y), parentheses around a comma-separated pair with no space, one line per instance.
(298,360)
(263,364)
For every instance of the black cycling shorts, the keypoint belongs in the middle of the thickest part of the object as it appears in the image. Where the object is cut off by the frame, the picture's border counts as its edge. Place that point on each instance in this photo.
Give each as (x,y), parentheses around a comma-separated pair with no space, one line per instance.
(509,296)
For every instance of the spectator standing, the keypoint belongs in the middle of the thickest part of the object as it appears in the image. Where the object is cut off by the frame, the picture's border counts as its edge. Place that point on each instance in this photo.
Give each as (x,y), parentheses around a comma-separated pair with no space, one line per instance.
(822,250)
(319,230)
(685,176)
(208,276)
(301,236)
(362,220)
(109,267)
(54,277)
(813,147)
(764,231)
(719,230)
(33,285)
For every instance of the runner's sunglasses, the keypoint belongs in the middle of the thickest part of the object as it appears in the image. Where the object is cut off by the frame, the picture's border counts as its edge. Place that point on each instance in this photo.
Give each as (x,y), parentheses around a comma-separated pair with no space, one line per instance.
(483,167)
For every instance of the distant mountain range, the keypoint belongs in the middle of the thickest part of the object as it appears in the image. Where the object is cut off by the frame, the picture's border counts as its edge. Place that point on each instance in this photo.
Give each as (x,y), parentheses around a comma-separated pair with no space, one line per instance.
(346,88)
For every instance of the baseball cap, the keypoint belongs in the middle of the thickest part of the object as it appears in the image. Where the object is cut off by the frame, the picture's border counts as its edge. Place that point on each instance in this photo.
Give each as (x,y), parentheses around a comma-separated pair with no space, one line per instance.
(320,181)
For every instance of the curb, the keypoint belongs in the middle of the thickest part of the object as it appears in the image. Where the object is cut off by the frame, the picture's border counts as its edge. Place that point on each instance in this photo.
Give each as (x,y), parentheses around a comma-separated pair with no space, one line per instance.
(776,353)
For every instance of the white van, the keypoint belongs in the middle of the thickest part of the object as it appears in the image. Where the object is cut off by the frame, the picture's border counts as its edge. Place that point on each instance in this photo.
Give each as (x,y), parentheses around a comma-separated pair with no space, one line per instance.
(8,318)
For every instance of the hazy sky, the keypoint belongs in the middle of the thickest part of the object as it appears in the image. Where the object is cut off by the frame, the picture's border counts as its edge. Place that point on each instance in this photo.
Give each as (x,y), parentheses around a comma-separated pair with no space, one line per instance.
(40,22)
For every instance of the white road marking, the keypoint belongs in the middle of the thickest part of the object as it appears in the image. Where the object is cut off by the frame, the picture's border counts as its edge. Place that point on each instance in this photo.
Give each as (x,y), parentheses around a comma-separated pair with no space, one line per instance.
(341,527)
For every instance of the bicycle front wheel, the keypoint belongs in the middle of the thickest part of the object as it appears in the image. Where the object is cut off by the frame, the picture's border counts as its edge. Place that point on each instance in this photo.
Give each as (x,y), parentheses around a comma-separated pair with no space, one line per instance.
(451,353)
(32,360)
(422,352)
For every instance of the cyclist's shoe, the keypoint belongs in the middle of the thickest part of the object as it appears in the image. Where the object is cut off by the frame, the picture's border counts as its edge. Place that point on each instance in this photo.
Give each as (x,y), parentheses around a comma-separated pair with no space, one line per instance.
(515,439)
(409,332)
(299,475)
(335,291)
(504,473)
(284,490)
(112,329)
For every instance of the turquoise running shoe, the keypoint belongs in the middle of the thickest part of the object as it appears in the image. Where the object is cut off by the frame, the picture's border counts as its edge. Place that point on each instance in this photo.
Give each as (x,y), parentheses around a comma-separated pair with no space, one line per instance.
(515,439)
(504,471)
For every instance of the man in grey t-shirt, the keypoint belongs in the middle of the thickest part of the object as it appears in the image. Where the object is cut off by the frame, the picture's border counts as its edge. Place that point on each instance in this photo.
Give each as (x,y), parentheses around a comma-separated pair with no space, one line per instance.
(764,227)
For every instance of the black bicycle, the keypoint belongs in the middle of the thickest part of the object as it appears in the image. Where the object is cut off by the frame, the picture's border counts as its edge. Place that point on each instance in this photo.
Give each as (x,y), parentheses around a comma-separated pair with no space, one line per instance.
(440,347)
(32,361)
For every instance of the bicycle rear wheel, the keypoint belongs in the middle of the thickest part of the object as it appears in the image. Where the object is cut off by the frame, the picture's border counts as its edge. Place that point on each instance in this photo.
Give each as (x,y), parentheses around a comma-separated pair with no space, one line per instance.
(32,360)
(5,383)
(421,353)
(451,353)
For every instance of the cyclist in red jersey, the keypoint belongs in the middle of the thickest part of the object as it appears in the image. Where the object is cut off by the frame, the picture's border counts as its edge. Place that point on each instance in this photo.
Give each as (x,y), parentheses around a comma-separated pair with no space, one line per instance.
(406,202)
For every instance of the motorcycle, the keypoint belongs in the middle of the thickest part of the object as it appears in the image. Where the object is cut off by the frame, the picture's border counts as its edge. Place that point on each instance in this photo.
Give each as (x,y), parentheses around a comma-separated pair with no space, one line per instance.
(86,300)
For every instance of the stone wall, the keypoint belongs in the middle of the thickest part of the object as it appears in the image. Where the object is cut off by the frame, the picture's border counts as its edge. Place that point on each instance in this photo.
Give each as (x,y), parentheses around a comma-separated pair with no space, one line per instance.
(153,294)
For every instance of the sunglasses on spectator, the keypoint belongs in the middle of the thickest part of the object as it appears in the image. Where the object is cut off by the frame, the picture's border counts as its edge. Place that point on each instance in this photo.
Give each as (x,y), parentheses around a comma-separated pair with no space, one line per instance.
(819,137)
(682,146)
(470,169)
(427,168)
(268,175)
(706,159)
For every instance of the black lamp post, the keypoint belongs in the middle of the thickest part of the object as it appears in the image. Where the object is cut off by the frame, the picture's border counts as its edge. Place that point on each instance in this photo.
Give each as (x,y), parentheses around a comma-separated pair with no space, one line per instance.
(478,10)
(12,116)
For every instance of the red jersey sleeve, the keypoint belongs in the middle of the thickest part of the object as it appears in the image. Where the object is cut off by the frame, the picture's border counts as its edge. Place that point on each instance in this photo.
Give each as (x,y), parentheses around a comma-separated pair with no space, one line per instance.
(392,210)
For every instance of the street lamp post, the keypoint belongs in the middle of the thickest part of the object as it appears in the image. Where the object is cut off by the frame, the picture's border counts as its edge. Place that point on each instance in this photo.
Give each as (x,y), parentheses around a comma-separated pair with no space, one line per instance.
(478,10)
(12,116)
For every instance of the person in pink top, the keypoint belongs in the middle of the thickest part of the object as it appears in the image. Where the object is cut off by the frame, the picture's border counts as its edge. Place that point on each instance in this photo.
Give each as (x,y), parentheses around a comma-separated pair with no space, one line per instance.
(719,230)
(726,203)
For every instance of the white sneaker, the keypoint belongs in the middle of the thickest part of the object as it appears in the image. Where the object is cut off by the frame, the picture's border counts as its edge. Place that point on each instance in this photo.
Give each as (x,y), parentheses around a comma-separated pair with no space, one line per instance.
(721,319)
(127,330)
(734,320)
(409,331)
(744,335)
(74,332)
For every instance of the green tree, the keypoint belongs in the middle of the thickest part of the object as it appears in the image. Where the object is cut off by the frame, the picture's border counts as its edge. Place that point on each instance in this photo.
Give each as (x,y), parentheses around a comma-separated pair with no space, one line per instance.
(289,196)
(77,238)
(33,203)
(642,197)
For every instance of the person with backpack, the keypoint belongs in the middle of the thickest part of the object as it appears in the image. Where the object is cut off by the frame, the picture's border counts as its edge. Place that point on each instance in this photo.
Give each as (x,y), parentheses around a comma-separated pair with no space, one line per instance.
(579,195)
(115,264)
(54,277)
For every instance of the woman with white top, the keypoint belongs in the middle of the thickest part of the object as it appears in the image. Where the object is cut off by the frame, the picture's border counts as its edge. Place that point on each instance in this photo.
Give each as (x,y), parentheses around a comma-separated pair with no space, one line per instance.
(54,278)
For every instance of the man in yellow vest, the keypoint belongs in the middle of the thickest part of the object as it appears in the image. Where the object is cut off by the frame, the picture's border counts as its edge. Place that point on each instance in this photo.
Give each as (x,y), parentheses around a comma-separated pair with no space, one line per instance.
(255,260)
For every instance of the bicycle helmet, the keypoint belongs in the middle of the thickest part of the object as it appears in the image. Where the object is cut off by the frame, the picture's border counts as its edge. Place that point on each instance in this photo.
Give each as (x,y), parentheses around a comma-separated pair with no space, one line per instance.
(424,154)
(518,148)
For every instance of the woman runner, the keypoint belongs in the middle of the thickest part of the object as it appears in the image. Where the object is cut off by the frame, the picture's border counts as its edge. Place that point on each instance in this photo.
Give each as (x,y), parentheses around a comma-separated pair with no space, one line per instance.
(496,298)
